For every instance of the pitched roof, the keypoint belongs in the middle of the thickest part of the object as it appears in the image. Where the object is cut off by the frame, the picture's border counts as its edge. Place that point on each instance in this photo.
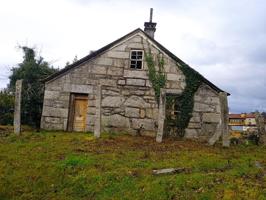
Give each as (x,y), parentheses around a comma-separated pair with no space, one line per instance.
(241,116)
(236,116)
(103,49)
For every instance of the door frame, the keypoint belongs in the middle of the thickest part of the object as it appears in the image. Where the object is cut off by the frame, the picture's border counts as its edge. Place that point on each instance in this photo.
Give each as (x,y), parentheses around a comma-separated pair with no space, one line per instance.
(71,113)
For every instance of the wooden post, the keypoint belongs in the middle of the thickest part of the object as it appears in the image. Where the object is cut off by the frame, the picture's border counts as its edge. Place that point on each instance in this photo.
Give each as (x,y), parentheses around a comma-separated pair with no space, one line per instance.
(161,117)
(97,123)
(17,113)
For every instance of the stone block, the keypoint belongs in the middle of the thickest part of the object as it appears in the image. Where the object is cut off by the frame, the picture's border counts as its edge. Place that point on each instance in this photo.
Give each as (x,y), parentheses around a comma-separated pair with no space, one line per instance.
(104,61)
(84,89)
(137,39)
(147,124)
(173,84)
(211,117)
(119,63)
(97,69)
(207,99)
(200,107)
(51,94)
(142,113)
(115,71)
(205,90)
(218,108)
(135,45)
(80,70)
(117,54)
(110,92)
(115,121)
(64,96)
(52,87)
(121,82)
(91,110)
(136,92)
(136,101)
(56,103)
(132,112)
(183,85)
(192,125)
(113,101)
(51,126)
(173,91)
(53,120)
(191,133)
(108,82)
(121,47)
(65,124)
(135,74)
(90,81)
(174,77)
(90,119)
(135,82)
(195,117)
(152,113)
(150,92)
(55,112)
(148,83)
(209,129)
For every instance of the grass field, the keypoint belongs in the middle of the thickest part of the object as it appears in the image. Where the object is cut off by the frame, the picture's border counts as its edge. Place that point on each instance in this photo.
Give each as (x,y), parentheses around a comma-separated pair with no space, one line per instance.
(55,165)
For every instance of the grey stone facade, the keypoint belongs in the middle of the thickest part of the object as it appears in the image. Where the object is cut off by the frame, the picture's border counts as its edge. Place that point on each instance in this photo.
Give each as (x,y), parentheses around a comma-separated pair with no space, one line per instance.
(128,101)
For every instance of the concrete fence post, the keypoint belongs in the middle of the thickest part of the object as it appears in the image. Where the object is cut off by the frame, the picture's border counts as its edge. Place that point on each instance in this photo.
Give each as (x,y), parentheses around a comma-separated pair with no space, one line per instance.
(161,116)
(225,119)
(17,112)
(97,124)
(261,127)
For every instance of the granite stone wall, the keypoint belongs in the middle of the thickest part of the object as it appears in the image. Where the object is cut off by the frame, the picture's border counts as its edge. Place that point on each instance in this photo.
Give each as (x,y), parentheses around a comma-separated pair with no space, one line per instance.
(206,114)
(128,99)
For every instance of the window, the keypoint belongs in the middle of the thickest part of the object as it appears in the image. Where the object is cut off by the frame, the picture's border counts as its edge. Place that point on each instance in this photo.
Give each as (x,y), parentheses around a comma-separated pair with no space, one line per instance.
(136,57)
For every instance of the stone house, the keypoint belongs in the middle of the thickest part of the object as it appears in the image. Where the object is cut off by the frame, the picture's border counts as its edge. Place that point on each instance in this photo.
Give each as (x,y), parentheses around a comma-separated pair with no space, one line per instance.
(111,88)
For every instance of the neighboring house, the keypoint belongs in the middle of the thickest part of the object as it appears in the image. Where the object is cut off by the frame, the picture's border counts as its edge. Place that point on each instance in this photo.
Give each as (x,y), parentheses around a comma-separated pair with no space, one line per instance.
(236,122)
(250,119)
(242,122)
(128,101)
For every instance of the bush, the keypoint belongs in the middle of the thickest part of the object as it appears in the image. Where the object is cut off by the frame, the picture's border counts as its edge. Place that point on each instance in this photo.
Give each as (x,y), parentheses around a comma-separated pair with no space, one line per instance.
(6,108)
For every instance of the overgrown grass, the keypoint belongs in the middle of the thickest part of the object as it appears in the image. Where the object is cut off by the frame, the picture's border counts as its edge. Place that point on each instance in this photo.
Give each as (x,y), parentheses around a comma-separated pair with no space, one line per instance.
(56,165)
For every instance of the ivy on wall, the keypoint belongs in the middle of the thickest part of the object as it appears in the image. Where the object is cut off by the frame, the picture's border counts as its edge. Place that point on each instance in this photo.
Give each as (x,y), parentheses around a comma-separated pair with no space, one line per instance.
(185,102)
(157,78)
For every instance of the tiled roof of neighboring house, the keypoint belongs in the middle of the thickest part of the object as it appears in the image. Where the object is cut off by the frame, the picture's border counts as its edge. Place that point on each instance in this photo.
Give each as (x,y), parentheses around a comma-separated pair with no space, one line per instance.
(250,116)
(241,116)
(103,49)
(236,116)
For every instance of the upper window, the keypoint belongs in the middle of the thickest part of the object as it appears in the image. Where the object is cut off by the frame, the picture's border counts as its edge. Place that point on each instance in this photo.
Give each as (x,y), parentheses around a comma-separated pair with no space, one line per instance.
(136,58)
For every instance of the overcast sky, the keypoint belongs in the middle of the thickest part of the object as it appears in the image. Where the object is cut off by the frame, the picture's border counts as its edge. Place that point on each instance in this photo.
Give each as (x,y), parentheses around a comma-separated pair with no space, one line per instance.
(224,40)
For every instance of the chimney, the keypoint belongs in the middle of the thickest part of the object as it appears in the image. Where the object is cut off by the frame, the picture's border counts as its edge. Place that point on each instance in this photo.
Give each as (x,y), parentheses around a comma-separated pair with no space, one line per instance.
(149,27)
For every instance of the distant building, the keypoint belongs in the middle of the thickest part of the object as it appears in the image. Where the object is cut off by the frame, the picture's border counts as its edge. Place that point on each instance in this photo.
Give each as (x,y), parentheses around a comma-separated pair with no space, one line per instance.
(241,122)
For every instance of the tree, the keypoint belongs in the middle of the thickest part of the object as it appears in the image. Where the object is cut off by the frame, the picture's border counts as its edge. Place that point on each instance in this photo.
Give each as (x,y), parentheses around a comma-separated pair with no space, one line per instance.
(32,70)
(6,107)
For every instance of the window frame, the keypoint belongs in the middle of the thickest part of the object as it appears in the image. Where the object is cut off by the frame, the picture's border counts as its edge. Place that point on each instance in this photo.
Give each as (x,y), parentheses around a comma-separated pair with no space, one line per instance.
(130,58)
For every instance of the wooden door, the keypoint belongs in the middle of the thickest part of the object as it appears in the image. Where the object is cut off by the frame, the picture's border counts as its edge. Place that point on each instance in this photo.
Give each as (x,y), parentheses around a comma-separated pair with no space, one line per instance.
(79,112)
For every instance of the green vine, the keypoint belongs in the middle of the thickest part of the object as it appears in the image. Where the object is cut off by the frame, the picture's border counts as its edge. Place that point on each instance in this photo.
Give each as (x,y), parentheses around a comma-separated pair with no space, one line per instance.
(157,78)
(185,102)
